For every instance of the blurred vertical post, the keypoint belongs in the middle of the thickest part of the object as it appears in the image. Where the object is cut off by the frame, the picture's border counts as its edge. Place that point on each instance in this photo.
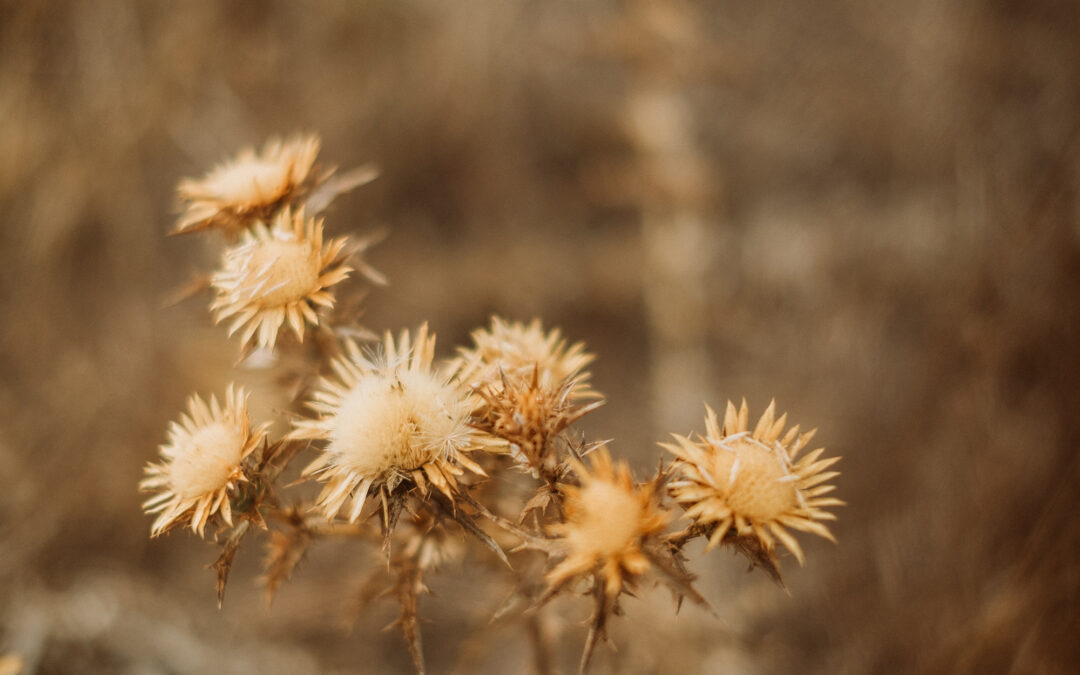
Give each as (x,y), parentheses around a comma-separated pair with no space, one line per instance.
(677,189)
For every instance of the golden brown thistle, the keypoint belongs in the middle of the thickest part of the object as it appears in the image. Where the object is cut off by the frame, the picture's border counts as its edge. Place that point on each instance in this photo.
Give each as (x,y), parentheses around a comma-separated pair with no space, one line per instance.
(251,187)
(388,419)
(529,416)
(203,463)
(749,480)
(518,349)
(609,521)
(278,274)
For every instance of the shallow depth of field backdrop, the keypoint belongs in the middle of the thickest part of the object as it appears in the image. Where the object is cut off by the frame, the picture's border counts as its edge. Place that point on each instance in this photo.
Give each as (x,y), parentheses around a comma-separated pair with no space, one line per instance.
(867,210)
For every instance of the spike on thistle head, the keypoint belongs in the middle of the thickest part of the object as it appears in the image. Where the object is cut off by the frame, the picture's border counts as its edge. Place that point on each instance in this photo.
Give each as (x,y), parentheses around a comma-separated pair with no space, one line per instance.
(202,463)
(751,481)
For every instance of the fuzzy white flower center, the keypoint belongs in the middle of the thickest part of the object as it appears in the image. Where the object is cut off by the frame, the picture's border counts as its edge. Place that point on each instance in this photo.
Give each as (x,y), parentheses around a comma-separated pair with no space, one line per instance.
(252,181)
(205,460)
(287,269)
(752,480)
(609,519)
(394,423)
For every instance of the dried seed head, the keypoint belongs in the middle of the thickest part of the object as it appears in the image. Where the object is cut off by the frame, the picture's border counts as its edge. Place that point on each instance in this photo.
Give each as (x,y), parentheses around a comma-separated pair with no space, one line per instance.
(609,520)
(517,349)
(202,463)
(750,480)
(278,274)
(251,187)
(528,416)
(388,419)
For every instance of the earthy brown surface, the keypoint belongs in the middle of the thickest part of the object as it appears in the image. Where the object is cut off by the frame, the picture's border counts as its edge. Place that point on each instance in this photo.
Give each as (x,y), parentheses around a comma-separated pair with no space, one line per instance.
(868,212)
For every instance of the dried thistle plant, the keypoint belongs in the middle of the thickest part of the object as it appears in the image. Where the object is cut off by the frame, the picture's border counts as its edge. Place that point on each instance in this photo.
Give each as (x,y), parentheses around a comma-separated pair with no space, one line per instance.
(748,481)
(479,449)
(530,417)
(252,187)
(203,463)
(276,274)
(609,523)
(389,420)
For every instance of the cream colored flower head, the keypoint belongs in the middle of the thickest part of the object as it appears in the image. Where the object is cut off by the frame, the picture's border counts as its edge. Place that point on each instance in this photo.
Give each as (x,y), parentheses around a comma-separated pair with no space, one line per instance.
(608,520)
(751,480)
(517,349)
(387,418)
(202,463)
(277,274)
(251,187)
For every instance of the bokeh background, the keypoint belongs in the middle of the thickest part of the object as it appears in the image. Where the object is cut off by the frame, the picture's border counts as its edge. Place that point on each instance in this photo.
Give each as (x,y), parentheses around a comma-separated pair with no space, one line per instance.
(866,210)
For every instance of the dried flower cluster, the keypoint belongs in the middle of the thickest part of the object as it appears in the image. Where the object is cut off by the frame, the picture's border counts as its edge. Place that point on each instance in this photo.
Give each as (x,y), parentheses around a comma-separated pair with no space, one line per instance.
(421,440)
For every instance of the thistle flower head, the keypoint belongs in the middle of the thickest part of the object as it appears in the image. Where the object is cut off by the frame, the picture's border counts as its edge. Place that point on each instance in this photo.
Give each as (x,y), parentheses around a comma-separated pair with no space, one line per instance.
(202,463)
(251,187)
(277,274)
(387,419)
(529,417)
(751,480)
(517,349)
(608,522)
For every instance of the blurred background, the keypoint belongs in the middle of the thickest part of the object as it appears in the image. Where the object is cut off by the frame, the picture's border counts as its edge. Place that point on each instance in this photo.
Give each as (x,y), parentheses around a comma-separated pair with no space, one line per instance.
(868,211)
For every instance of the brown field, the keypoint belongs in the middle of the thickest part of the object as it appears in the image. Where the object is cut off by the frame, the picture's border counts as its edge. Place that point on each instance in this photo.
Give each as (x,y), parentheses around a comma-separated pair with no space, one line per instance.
(869,211)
